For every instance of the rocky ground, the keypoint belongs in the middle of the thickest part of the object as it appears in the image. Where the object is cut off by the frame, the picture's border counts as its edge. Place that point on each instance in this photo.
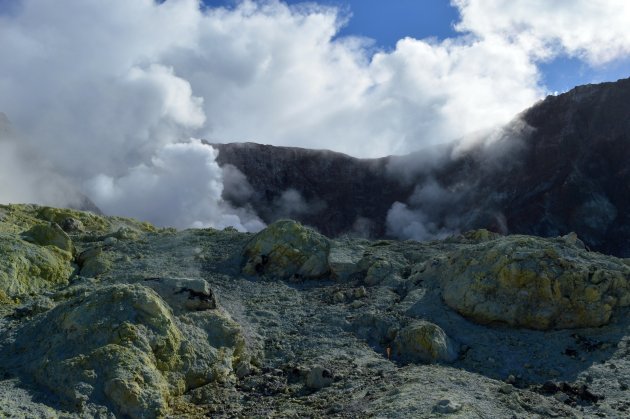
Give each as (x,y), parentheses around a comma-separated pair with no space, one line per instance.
(110,317)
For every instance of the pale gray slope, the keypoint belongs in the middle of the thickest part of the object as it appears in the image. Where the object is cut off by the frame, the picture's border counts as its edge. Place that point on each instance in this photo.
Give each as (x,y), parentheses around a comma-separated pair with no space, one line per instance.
(324,347)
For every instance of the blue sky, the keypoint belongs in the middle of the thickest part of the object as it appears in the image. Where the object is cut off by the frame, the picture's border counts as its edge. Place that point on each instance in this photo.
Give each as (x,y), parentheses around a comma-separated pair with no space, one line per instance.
(387,21)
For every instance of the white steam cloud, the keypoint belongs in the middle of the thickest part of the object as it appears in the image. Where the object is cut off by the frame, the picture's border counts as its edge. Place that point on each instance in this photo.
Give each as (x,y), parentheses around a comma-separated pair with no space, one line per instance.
(193,179)
(109,93)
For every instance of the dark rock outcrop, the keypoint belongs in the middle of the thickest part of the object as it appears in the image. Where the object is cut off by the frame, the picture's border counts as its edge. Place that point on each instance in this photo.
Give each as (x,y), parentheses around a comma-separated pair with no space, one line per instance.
(343,194)
(561,166)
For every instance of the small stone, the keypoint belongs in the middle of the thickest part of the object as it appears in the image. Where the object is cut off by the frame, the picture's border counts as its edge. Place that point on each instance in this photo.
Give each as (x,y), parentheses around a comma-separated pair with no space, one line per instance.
(506,388)
(447,406)
(511,379)
(110,241)
(318,377)
(561,397)
(339,297)
(360,292)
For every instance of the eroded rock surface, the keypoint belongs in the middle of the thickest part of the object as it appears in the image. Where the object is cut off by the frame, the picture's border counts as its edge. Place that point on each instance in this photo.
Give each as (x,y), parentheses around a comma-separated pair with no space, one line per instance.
(144,322)
(287,249)
(423,341)
(533,282)
(26,267)
(123,346)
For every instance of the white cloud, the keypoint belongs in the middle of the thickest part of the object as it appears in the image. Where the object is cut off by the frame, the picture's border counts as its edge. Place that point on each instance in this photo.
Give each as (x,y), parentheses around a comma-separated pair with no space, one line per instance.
(286,80)
(104,89)
(593,30)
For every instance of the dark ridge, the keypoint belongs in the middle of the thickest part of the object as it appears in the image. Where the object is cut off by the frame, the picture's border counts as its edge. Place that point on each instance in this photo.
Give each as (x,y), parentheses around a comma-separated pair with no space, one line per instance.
(561,166)
(347,191)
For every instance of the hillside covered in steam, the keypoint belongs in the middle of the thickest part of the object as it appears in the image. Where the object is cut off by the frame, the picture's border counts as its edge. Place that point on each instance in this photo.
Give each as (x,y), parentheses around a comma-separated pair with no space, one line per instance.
(560,166)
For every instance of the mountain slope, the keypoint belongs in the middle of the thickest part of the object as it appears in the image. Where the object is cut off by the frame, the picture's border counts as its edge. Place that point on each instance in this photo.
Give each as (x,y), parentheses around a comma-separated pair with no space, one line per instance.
(561,166)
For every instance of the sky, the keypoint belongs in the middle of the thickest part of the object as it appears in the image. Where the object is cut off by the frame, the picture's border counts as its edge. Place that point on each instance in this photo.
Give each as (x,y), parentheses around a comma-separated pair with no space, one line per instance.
(386,22)
(111,98)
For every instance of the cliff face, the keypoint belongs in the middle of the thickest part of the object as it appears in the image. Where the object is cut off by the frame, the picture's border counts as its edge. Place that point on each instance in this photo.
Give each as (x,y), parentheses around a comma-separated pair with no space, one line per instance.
(560,167)
(577,164)
(337,193)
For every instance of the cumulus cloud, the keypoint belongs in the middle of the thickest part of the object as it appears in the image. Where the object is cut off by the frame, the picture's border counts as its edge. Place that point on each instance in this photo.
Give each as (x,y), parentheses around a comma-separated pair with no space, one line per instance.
(593,30)
(109,93)
(285,79)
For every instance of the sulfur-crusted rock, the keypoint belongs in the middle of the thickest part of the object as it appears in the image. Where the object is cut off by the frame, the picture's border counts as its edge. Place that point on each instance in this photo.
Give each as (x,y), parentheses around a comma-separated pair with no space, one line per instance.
(49,234)
(94,262)
(533,282)
(28,268)
(112,346)
(423,341)
(122,346)
(287,249)
(77,221)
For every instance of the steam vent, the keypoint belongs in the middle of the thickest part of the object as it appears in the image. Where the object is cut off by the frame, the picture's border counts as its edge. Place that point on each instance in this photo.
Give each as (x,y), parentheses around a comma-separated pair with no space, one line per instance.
(112,316)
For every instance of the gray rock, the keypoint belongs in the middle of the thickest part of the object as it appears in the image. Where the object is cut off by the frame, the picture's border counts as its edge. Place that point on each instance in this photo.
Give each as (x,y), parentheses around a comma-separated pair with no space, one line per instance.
(318,377)
(423,341)
(72,225)
(446,406)
(191,294)
(287,250)
(344,260)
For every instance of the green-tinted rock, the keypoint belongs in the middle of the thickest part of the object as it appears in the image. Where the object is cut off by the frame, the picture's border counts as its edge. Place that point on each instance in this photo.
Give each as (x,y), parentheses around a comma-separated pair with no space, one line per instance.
(94,262)
(122,346)
(424,342)
(533,282)
(110,346)
(29,268)
(49,234)
(287,249)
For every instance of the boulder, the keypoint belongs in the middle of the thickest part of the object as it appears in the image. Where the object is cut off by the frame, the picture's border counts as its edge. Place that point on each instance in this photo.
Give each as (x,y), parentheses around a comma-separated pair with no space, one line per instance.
(318,377)
(343,260)
(49,234)
(94,262)
(122,346)
(379,271)
(287,250)
(534,283)
(29,268)
(423,341)
(188,294)
(72,225)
